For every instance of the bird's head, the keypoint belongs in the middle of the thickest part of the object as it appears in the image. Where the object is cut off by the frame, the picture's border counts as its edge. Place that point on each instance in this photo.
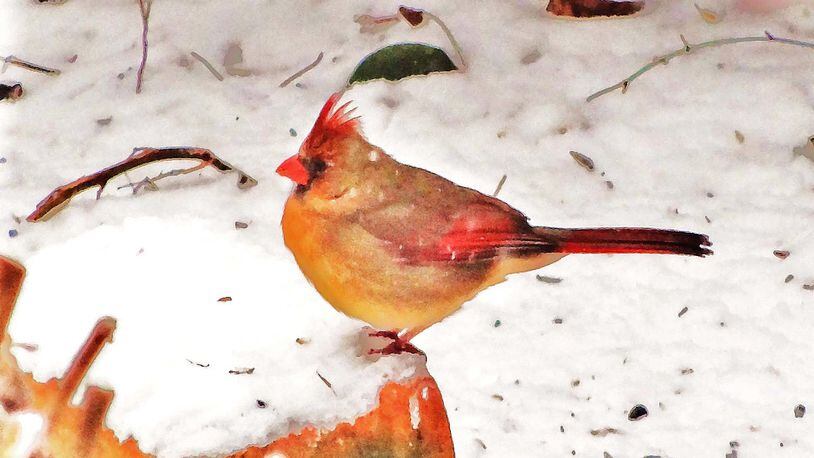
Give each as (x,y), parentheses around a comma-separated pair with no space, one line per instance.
(331,144)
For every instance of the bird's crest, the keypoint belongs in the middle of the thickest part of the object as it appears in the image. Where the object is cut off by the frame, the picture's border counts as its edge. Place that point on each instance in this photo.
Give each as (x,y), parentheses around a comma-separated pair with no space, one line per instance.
(333,122)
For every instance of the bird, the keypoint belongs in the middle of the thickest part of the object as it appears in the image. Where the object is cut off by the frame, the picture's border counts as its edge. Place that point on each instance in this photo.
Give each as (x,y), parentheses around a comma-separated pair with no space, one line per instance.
(402,248)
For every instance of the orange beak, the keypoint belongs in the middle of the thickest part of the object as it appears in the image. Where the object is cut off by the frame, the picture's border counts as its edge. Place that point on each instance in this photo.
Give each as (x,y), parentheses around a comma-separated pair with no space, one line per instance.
(293,169)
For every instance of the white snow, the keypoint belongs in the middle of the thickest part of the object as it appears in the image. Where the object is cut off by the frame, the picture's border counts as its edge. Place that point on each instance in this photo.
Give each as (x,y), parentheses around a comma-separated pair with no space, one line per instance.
(666,145)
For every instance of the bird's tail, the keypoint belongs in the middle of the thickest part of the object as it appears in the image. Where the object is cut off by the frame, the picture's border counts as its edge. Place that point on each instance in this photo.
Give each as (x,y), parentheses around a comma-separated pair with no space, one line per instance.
(627,240)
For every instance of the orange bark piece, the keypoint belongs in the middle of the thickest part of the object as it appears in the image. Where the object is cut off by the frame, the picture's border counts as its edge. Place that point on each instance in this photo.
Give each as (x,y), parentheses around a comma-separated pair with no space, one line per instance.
(68,430)
(386,431)
(593,8)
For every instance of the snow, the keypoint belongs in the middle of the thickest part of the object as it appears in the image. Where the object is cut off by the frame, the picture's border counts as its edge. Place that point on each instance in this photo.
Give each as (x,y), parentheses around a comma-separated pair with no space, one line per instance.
(667,144)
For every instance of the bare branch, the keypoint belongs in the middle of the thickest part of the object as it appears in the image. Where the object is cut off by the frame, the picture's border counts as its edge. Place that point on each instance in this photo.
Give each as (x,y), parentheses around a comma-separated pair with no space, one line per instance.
(687,49)
(60,196)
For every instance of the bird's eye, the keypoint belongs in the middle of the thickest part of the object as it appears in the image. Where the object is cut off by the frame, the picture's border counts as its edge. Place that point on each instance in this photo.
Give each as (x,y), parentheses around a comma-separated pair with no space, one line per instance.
(315,167)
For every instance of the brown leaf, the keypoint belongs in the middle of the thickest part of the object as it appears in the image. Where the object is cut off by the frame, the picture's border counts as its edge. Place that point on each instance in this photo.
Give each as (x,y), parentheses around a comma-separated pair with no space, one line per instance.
(584,161)
(782,254)
(709,16)
(593,8)
(414,16)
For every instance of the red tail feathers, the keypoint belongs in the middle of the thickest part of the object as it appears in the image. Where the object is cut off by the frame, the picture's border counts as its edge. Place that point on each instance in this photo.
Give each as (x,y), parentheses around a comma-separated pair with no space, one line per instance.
(627,240)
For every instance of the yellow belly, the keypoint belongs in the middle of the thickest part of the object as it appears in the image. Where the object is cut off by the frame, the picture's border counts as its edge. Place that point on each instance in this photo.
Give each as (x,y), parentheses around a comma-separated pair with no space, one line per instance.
(361,278)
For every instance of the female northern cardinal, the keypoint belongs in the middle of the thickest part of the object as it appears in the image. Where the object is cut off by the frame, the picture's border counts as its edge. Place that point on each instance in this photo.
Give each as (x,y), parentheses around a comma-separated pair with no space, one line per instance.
(401,248)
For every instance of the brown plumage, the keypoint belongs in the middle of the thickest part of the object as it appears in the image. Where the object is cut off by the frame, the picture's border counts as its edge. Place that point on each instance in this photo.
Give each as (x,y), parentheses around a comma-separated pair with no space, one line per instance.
(401,248)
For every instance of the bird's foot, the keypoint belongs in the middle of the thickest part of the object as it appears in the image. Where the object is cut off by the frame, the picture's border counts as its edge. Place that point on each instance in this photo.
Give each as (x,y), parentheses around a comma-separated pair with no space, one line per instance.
(397,346)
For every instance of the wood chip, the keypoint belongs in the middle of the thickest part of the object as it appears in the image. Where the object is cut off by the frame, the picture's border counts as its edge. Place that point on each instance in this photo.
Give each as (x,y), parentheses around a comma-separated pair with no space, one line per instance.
(687,371)
(225,299)
(602,432)
(739,137)
(104,121)
(242,370)
(584,161)
(497,397)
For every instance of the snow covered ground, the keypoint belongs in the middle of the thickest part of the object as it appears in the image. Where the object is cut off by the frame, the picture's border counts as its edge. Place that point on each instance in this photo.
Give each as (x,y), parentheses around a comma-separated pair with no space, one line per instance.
(566,359)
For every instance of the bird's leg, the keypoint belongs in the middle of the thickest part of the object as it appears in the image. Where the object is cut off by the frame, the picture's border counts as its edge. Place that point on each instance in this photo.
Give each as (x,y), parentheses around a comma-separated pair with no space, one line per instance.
(400,344)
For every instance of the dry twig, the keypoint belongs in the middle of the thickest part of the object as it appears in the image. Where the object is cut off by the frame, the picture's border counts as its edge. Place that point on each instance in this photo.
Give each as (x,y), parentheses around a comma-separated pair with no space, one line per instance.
(207,65)
(687,49)
(12,60)
(499,185)
(60,196)
(305,69)
(144,7)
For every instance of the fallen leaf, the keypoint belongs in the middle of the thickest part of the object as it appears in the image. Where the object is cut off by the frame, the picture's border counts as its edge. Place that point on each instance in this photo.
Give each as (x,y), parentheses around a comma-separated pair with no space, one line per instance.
(709,16)
(401,60)
(593,8)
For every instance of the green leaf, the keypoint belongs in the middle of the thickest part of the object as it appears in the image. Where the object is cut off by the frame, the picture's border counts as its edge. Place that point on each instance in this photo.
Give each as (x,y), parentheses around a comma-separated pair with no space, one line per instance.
(401,60)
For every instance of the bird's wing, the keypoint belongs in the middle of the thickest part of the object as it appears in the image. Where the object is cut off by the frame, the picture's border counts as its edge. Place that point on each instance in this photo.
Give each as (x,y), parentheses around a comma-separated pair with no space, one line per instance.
(451,224)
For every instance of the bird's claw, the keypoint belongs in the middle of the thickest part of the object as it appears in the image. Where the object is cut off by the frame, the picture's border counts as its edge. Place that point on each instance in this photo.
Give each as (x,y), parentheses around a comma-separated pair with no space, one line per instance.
(396,347)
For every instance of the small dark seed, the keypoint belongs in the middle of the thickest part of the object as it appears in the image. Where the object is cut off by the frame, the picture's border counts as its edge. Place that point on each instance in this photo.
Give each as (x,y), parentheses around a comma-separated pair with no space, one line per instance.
(789,278)
(782,254)
(240,225)
(637,413)
(292,132)
(799,411)
(557,320)
(497,323)
(682,312)
(261,404)
(12,233)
